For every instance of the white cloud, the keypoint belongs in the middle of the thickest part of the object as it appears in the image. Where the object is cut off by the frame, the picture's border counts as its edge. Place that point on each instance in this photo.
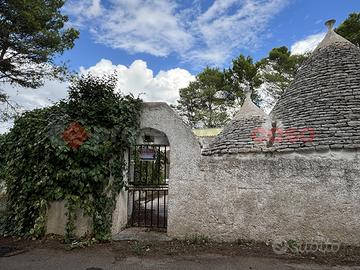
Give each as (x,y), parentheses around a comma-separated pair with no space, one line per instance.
(29,99)
(95,9)
(307,44)
(230,25)
(160,27)
(138,79)
(141,26)
(83,10)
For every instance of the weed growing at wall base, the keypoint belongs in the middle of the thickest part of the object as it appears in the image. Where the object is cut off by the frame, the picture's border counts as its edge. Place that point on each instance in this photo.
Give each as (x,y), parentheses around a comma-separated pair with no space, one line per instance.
(196,239)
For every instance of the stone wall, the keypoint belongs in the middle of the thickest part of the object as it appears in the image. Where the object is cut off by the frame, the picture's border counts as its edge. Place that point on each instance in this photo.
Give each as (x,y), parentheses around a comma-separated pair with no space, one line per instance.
(298,196)
(57,219)
(120,215)
(185,155)
(266,197)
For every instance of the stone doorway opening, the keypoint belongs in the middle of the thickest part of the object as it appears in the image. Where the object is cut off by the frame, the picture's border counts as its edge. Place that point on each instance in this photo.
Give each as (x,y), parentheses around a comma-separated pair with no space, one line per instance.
(149,166)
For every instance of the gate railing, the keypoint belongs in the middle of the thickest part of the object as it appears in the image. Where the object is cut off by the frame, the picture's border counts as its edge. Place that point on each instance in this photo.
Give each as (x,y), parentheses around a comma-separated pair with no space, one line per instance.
(152,171)
(148,188)
(148,206)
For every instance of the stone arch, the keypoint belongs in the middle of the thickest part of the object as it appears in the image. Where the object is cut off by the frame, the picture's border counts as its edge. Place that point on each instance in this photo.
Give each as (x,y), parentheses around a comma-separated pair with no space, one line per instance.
(152,135)
(185,153)
(185,147)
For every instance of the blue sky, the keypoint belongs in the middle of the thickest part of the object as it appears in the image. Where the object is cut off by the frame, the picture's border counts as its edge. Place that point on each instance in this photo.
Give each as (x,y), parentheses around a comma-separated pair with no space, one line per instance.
(288,22)
(158,46)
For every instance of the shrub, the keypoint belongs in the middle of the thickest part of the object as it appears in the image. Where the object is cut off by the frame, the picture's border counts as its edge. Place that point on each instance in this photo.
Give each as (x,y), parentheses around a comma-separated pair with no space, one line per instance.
(71,151)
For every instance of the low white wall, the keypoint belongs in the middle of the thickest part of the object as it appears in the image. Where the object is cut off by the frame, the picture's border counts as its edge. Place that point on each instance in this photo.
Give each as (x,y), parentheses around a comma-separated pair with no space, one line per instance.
(57,219)
(265,197)
(120,215)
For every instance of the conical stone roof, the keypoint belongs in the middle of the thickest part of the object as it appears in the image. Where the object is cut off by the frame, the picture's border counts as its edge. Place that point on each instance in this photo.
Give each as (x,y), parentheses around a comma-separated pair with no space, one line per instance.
(240,134)
(323,98)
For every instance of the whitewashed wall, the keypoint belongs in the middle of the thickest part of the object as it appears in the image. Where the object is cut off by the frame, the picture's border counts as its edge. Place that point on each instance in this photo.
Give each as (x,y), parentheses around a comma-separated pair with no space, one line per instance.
(299,196)
(265,197)
(185,155)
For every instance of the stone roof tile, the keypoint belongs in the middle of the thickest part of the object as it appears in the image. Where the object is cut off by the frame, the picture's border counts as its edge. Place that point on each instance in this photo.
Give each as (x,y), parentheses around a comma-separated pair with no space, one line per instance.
(238,135)
(325,95)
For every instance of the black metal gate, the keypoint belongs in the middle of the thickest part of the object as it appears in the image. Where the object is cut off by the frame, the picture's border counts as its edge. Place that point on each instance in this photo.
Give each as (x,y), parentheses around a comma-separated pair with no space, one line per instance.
(148,186)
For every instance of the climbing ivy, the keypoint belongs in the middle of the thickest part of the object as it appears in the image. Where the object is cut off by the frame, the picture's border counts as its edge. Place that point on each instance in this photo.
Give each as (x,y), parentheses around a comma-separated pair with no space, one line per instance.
(72,151)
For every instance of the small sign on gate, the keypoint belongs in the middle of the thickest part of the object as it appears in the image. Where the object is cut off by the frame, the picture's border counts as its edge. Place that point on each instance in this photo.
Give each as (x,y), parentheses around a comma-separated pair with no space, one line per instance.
(147,154)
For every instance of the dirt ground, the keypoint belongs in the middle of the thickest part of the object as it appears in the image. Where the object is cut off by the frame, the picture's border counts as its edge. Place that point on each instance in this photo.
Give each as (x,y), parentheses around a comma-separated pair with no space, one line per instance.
(120,250)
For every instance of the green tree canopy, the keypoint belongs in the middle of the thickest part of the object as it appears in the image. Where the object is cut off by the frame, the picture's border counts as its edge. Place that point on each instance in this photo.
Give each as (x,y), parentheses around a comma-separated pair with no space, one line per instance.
(31,34)
(241,75)
(189,104)
(203,102)
(350,28)
(212,99)
(272,75)
(279,68)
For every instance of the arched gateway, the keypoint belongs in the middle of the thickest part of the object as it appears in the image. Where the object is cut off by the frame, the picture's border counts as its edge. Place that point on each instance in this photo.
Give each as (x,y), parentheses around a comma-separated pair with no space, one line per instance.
(166,158)
(148,177)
